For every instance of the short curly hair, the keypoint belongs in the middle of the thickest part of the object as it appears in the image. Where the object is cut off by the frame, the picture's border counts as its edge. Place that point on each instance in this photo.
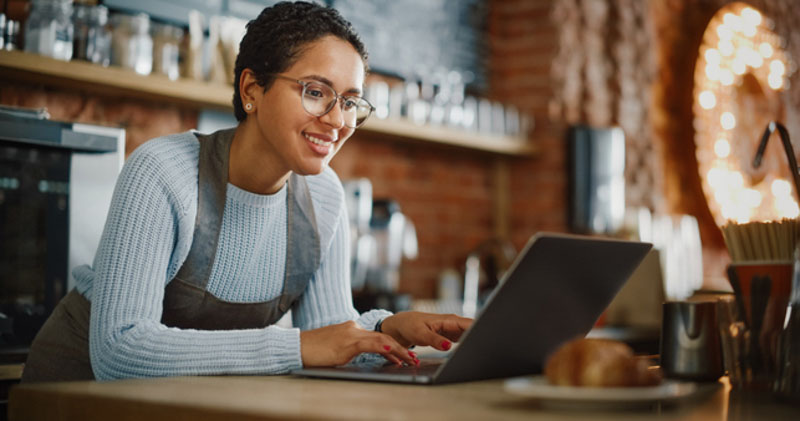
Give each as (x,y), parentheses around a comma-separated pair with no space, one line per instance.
(275,39)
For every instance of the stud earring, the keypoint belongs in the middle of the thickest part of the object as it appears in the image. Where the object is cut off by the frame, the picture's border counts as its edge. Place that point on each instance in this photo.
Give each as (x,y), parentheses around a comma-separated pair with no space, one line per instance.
(248,106)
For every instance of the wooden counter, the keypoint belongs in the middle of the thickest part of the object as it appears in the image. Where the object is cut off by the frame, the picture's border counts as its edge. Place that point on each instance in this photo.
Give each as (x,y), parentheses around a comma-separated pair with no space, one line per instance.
(284,397)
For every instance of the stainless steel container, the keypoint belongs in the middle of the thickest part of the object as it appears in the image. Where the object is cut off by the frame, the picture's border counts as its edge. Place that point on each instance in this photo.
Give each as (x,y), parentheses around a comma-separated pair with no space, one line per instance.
(690,341)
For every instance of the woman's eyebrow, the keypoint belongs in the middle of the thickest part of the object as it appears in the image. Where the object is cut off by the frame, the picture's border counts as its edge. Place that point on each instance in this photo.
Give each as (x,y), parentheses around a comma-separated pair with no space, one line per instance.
(323,79)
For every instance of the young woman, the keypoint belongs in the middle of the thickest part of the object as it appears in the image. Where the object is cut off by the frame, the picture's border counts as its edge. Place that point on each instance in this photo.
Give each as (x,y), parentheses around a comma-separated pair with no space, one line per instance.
(210,239)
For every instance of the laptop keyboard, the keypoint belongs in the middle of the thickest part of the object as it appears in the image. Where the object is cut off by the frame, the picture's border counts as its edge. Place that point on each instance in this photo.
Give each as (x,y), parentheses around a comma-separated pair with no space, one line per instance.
(425,368)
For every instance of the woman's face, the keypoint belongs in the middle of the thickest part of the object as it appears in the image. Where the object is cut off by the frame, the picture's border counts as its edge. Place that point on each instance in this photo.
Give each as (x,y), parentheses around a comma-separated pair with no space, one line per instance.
(303,142)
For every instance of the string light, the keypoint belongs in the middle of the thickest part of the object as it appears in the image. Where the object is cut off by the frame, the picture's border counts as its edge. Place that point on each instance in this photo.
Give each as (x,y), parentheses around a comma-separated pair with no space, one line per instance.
(707,100)
(737,42)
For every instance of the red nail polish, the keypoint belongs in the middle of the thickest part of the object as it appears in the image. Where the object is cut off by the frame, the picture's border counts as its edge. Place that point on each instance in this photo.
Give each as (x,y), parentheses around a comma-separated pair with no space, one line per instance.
(412,355)
(416,361)
(387,348)
(446,345)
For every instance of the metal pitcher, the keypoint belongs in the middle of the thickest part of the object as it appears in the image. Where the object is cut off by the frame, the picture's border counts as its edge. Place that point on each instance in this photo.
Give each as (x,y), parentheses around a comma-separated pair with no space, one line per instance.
(690,342)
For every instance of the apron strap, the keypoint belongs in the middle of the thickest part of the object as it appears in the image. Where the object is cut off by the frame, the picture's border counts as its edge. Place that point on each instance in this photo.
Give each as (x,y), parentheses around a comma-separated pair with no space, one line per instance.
(303,251)
(211,192)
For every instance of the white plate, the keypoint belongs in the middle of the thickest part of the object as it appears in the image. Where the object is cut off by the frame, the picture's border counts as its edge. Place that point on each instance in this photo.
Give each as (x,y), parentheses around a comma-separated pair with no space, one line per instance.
(573,397)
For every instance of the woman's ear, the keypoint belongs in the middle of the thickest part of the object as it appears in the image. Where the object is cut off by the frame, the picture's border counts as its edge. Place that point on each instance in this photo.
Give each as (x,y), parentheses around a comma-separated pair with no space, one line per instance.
(249,90)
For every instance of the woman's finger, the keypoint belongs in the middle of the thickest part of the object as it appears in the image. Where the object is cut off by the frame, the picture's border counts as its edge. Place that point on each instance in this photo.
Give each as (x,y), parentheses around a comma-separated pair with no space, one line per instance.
(453,327)
(431,338)
(385,345)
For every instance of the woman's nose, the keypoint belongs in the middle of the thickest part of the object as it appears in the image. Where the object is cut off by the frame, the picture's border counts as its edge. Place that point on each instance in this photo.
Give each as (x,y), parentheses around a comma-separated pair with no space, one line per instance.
(334,117)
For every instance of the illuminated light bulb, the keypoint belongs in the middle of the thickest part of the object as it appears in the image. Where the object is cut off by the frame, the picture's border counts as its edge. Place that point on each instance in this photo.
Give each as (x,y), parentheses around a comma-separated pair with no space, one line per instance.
(726,213)
(713,56)
(707,100)
(751,17)
(781,188)
(738,66)
(722,148)
(777,67)
(724,32)
(786,207)
(728,122)
(721,198)
(749,30)
(731,21)
(749,56)
(726,77)
(755,60)
(715,177)
(725,47)
(735,179)
(712,72)
(775,81)
(789,209)
(765,49)
(751,198)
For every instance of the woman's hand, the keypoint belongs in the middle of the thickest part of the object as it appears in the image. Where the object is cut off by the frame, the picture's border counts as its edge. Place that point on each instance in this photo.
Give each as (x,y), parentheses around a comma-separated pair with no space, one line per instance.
(415,328)
(338,344)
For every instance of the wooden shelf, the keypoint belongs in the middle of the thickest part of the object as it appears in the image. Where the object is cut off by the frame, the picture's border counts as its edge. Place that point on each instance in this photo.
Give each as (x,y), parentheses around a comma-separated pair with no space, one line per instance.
(503,145)
(112,80)
(17,65)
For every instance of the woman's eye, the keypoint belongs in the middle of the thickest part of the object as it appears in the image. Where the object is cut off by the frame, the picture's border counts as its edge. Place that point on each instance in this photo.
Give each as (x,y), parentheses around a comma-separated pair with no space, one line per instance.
(315,93)
(350,104)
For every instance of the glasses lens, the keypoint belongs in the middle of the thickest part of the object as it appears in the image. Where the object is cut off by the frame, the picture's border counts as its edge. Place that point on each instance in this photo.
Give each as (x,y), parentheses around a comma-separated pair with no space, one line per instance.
(356,110)
(318,98)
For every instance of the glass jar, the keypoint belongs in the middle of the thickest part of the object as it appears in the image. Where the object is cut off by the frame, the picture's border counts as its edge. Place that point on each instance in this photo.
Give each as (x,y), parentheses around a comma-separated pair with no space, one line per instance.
(787,381)
(49,29)
(131,43)
(166,50)
(92,35)
(2,30)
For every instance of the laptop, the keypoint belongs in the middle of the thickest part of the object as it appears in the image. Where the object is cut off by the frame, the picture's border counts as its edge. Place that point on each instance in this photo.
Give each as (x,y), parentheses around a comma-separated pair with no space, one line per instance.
(555,291)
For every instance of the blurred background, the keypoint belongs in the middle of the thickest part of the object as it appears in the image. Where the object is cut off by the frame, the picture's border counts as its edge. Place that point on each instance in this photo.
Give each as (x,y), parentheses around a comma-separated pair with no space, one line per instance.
(495,119)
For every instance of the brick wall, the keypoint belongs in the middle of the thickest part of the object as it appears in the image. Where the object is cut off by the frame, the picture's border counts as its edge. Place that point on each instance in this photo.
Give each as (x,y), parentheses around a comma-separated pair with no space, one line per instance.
(142,120)
(573,62)
(523,42)
(446,192)
(601,62)
(680,25)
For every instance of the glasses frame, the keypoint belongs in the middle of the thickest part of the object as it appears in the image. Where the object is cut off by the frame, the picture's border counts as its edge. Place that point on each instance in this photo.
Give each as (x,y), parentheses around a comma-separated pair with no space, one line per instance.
(337,98)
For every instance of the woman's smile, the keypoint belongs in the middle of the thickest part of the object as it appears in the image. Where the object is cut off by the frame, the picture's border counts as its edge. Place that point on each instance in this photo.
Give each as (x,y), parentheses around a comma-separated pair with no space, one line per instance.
(319,143)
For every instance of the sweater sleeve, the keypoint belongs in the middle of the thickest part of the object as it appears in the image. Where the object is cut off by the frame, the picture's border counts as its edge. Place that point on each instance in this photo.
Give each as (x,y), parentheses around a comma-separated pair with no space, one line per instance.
(131,270)
(328,298)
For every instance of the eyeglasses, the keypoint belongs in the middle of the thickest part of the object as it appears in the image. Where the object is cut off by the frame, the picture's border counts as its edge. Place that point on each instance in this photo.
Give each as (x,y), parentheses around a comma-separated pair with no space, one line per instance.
(318,99)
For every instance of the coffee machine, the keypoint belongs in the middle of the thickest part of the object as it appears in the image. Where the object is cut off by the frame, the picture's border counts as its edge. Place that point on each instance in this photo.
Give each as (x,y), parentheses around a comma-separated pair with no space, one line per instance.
(56,183)
(381,238)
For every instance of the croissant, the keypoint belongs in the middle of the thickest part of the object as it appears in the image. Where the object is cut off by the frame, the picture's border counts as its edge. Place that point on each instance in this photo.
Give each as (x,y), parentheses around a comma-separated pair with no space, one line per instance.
(599,363)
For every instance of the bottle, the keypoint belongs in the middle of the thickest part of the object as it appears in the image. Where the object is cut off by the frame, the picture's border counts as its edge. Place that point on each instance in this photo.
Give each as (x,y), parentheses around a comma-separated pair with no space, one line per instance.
(132,45)
(166,49)
(92,36)
(49,29)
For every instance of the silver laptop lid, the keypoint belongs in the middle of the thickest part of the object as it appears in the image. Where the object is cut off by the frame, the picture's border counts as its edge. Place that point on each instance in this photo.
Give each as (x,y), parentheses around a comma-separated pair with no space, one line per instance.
(555,291)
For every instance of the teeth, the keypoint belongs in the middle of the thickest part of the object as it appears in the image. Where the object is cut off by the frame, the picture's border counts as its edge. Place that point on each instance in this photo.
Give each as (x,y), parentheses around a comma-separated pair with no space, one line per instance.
(315,140)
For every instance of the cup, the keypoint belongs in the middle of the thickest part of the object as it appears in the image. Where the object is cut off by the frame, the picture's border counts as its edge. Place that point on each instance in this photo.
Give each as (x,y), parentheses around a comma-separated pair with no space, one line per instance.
(690,341)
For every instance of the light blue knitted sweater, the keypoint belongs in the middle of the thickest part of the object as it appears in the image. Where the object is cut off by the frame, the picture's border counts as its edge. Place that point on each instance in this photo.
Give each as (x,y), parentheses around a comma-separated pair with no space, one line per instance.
(145,241)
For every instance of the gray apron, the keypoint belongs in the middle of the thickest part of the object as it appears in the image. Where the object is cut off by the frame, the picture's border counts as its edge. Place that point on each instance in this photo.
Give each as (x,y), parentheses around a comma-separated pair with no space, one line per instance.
(60,351)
